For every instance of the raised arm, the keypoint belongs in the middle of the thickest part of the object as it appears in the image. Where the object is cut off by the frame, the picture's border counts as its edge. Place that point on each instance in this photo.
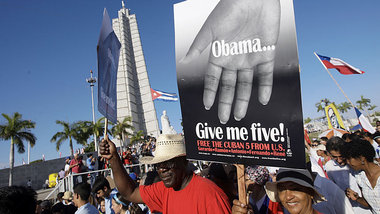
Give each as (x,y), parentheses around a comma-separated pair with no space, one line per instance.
(125,185)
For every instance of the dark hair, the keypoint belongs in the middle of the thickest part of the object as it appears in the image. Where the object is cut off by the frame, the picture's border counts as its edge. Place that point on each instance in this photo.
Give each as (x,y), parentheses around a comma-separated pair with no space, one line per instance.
(60,195)
(367,134)
(335,144)
(83,190)
(100,183)
(324,139)
(123,200)
(345,136)
(354,136)
(358,148)
(17,199)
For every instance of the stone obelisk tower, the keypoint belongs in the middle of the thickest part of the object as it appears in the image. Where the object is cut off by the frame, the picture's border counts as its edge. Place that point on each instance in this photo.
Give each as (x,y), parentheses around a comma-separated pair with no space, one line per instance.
(134,98)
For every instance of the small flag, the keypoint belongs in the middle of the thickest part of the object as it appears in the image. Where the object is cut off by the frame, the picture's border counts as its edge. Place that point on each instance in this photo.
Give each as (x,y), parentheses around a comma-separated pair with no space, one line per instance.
(160,95)
(338,64)
(43,157)
(363,121)
(23,162)
(60,154)
(306,136)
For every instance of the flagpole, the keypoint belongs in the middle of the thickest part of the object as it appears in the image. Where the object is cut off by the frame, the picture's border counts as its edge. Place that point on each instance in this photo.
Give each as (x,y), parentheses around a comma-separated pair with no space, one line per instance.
(334,79)
(105,128)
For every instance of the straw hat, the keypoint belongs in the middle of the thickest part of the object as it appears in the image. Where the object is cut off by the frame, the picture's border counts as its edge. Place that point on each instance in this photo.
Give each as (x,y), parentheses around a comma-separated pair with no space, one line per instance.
(320,147)
(68,195)
(298,176)
(168,146)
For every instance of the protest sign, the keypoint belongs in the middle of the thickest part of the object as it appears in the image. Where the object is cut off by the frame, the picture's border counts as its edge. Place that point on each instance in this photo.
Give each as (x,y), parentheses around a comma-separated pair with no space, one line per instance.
(239,85)
(333,117)
(108,60)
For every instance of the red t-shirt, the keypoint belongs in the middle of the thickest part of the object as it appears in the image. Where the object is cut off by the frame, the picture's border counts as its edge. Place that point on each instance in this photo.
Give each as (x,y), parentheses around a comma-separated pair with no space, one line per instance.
(199,196)
(75,169)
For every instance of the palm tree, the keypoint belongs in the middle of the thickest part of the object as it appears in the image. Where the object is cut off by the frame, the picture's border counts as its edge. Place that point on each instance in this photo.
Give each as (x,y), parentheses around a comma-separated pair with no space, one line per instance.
(98,128)
(344,107)
(363,103)
(77,131)
(307,120)
(120,129)
(320,107)
(16,130)
(83,131)
(137,137)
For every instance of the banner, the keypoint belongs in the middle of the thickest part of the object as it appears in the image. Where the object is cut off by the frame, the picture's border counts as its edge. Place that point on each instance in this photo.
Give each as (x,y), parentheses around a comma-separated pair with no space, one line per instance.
(333,118)
(238,79)
(108,59)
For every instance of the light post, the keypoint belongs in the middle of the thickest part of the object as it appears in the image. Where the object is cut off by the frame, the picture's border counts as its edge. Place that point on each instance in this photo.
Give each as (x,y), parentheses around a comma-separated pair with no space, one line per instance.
(92,81)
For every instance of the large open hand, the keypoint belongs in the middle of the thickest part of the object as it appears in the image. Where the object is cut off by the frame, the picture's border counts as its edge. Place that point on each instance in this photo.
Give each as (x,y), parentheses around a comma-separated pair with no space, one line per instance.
(243,35)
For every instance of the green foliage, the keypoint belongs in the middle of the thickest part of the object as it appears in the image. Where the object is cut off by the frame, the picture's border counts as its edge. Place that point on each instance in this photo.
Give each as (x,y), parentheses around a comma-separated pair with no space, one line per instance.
(90,147)
(36,161)
(363,102)
(17,131)
(120,129)
(307,120)
(79,131)
(139,136)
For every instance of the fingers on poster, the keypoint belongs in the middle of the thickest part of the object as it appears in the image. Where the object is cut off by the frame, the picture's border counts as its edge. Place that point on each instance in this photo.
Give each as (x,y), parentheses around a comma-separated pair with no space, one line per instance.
(226,65)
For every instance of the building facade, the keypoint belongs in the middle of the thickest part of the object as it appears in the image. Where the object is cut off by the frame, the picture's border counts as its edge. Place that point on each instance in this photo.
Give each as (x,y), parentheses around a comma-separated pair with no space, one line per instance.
(134,97)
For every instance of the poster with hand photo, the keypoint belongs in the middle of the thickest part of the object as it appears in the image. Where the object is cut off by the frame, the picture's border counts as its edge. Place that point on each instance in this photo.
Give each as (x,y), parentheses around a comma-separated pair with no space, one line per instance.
(238,79)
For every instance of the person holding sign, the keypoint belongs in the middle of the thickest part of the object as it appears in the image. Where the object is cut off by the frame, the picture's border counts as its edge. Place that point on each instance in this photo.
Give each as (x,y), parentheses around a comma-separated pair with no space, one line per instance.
(243,35)
(179,191)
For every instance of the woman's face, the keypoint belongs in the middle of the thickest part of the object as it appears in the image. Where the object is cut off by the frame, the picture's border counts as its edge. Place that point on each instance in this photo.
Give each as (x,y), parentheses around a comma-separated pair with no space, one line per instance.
(355,163)
(294,197)
(103,206)
(116,207)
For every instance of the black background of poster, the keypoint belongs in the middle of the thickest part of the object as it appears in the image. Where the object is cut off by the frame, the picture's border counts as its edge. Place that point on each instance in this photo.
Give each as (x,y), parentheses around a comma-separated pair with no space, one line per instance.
(283,107)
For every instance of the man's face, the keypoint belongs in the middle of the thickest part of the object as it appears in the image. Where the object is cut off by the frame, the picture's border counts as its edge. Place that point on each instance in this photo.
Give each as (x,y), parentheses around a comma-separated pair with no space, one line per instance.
(75,199)
(294,197)
(171,173)
(335,155)
(102,193)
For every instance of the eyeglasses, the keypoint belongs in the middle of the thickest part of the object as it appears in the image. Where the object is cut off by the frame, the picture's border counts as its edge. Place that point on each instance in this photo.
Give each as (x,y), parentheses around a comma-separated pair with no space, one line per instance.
(167,165)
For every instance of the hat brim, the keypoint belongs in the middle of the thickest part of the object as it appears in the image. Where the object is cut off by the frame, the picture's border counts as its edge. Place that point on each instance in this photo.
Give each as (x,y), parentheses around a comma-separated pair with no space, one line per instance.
(154,160)
(71,198)
(272,191)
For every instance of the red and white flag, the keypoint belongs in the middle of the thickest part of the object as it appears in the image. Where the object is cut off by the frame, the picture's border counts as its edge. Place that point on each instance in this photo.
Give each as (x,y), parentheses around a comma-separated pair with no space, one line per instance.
(338,64)
(363,121)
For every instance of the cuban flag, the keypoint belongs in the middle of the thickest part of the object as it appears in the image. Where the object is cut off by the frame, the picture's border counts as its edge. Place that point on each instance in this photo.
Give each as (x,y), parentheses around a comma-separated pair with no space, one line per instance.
(340,65)
(160,95)
(363,121)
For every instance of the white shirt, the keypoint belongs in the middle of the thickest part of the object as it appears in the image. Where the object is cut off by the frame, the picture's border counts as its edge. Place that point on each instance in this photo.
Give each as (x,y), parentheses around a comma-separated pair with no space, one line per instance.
(371,195)
(108,202)
(344,178)
(87,209)
(337,202)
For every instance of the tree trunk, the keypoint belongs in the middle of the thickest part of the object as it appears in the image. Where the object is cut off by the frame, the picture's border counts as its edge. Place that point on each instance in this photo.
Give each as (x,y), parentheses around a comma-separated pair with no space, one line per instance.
(71,147)
(11,162)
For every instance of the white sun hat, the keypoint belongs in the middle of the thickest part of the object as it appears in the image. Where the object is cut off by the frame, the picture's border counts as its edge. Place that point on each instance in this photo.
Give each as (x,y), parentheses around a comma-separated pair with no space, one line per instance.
(168,146)
(298,176)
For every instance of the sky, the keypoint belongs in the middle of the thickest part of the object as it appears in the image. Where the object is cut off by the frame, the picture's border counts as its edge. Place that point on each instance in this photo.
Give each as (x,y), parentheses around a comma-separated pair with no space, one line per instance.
(47,49)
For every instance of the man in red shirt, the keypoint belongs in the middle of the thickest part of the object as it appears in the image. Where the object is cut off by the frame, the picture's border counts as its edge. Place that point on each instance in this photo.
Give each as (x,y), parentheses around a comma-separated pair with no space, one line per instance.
(179,191)
(75,166)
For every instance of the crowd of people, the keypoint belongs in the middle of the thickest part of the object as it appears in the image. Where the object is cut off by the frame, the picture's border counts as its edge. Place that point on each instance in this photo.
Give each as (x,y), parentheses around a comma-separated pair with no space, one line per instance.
(341,177)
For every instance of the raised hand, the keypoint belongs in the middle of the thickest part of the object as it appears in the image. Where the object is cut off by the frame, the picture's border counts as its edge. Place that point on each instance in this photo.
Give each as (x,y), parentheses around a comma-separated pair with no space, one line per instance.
(243,36)
(107,148)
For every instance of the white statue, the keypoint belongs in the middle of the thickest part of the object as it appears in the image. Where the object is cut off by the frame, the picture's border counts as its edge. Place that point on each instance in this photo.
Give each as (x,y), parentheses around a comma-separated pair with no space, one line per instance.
(165,123)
